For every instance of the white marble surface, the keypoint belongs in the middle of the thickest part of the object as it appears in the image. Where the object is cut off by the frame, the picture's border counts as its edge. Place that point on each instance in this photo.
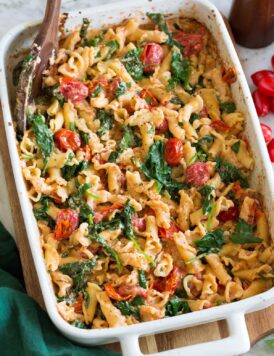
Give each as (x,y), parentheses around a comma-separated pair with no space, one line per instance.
(13,12)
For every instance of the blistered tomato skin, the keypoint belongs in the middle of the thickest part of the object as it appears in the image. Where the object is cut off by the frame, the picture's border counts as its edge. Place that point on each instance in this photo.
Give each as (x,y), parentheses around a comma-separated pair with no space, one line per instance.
(267,132)
(231,214)
(174,151)
(163,127)
(73,90)
(261,102)
(219,125)
(151,56)
(197,174)
(257,76)
(270,148)
(266,86)
(193,43)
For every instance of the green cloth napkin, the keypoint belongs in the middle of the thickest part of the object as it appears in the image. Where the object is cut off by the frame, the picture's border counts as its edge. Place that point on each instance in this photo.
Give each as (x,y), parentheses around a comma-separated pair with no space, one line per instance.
(25,329)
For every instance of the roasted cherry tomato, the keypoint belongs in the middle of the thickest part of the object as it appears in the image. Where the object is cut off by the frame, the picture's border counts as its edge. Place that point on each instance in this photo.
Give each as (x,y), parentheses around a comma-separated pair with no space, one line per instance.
(78,305)
(272,61)
(100,215)
(267,132)
(111,292)
(159,284)
(66,222)
(231,214)
(270,148)
(192,43)
(174,280)
(219,125)
(257,76)
(167,234)
(67,139)
(266,86)
(174,151)
(73,89)
(126,290)
(102,82)
(150,99)
(229,75)
(139,223)
(163,127)
(151,56)
(261,103)
(197,174)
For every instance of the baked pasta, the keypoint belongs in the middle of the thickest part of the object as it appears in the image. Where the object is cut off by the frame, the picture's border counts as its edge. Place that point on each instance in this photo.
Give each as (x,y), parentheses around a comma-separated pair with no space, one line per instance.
(137,166)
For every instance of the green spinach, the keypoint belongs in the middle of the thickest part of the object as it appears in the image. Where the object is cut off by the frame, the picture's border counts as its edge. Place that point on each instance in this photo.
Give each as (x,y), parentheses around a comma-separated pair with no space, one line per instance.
(106,119)
(243,234)
(83,31)
(229,173)
(236,146)
(68,172)
(180,71)
(177,306)
(133,64)
(41,212)
(228,107)
(142,278)
(206,192)
(212,242)
(130,308)
(113,47)
(121,89)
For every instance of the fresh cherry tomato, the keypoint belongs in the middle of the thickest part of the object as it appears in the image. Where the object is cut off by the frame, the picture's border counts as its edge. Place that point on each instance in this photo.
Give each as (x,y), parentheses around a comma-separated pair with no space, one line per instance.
(270,148)
(219,125)
(167,234)
(257,76)
(66,222)
(197,174)
(163,127)
(100,215)
(174,151)
(261,103)
(111,292)
(193,43)
(151,56)
(133,290)
(139,223)
(272,61)
(73,89)
(150,99)
(267,132)
(266,86)
(67,139)
(271,100)
(229,75)
(231,214)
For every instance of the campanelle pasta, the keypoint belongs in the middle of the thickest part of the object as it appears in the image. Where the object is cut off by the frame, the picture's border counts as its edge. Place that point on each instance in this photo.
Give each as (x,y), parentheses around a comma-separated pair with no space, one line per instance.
(137,166)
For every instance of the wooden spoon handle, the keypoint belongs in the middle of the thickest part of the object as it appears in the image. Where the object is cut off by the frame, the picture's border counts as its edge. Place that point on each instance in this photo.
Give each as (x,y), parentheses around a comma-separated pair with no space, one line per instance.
(49,27)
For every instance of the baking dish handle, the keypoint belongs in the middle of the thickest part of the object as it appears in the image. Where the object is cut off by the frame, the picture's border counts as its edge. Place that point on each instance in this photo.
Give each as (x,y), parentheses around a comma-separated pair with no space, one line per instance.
(236,343)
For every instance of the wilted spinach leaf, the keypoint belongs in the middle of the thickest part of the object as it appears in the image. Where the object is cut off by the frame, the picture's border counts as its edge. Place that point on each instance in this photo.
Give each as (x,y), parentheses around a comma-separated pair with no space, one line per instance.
(229,173)
(180,71)
(133,64)
(243,234)
(228,107)
(106,119)
(177,306)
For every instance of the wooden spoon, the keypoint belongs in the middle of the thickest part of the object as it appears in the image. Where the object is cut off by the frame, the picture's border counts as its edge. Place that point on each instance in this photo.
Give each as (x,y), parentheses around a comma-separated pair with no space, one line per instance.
(42,49)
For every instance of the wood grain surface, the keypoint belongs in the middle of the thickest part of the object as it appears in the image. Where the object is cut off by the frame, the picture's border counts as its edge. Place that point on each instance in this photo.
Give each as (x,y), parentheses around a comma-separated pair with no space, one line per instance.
(259,323)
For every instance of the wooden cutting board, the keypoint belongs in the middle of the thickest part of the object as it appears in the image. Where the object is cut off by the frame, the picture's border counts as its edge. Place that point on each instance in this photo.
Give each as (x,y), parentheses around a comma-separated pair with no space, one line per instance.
(259,323)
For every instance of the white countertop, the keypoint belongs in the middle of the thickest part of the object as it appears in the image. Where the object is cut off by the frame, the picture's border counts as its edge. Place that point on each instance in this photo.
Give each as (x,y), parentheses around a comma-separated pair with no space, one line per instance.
(13,12)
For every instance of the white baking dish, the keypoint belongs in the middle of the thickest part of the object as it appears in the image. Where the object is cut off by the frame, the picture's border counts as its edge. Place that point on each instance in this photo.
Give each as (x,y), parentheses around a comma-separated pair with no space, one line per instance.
(262,179)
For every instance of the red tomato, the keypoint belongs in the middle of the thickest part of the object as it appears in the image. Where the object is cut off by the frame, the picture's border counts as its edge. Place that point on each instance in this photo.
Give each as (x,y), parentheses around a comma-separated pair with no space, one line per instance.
(66,222)
(150,99)
(231,214)
(151,56)
(111,292)
(139,223)
(113,87)
(270,148)
(229,75)
(219,125)
(100,215)
(174,151)
(67,139)
(174,280)
(193,43)
(261,103)
(271,100)
(125,290)
(73,89)
(266,86)
(267,132)
(102,82)
(197,174)
(257,76)
(272,61)
(78,305)
(159,284)
(167,234)
(163,127)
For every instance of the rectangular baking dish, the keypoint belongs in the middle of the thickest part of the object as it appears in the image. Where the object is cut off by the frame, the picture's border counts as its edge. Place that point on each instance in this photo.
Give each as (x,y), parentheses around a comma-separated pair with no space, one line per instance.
(262,179)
